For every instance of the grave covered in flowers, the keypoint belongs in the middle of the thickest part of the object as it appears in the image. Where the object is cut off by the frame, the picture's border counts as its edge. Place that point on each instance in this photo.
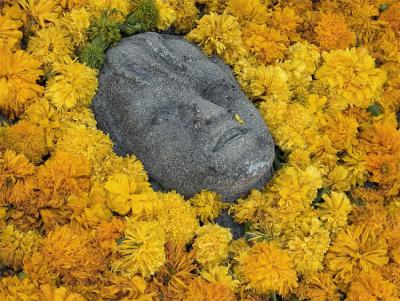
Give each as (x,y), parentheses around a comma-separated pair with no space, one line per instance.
(79,222)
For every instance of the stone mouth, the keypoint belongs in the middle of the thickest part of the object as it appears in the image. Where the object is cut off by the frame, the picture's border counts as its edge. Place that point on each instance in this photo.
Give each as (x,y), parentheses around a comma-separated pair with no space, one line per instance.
(228,137)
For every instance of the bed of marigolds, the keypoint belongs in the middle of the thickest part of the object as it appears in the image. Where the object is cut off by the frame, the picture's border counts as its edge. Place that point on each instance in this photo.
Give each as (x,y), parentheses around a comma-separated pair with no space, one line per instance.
(77,222)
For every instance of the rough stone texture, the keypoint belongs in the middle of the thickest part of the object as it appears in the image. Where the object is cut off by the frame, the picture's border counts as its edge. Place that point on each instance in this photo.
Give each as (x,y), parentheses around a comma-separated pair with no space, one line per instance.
(163,100)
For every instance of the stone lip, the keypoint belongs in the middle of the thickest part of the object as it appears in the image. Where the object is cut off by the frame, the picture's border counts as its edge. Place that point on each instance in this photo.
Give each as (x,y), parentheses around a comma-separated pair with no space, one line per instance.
(161,99)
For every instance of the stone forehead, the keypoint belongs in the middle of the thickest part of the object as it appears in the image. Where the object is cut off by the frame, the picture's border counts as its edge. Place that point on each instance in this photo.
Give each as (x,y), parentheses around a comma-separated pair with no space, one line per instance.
(167,57)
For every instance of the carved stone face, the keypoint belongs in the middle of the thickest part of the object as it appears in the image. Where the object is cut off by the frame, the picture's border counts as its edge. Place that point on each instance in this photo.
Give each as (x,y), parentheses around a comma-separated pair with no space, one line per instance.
(163,100)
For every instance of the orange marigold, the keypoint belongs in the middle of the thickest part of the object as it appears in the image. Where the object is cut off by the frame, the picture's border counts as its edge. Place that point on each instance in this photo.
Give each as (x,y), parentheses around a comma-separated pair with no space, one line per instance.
(332,32)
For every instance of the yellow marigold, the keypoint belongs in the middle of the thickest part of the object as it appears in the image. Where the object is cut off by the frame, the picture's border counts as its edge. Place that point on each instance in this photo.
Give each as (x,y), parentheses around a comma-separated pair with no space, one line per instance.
(89,208)
(301,63)
(16,245)
(107,233)
(252,207)
(186,15)
(52,293)
(177,218)
(212,244)
(268,268)
(73,84)
(127,193)
(18,77)
(141,250)
(288,123)
(200,290)
(318,287)
(332,32)
(115,164)
(76,22)
(364,21)
(14,289)
(383,169)
(39,13)
(248,11)
(392,16)
(342,130)
(356,249)
(334,210)
(10,36)
(268,83)
(28,139)
(120,8)
(220,274)
(121,288)
(38,270)
(167,15)
(371,286)
(219,34)
(174,276)
(308,251)
(70,4)
(72,255)
(207,205)
(267,44)
(16,178)
(381,139)
(41,113)
(352,75)
(285,19)
(50,45)
(93,144)
(297,188)
(61,176)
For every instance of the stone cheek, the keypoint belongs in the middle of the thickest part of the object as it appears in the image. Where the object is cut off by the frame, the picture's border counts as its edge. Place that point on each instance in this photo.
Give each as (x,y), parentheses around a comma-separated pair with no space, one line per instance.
(163,100)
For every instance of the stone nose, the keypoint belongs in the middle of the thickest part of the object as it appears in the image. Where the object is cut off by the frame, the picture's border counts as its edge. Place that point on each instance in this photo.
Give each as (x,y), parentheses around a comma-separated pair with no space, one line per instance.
(207,112)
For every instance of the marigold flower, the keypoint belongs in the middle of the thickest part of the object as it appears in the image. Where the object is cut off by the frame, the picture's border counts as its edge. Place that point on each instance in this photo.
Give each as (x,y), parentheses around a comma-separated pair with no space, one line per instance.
(207,205)
(16,245)
(268,268)
(392,16)
(117,287)
(127,193)
(318,287)
(248,11)
(71,254)
(334,210)
(267,44)
(73,84)
(220,274)
(371,286)
(332,32)
(167,15)
(41,12)
(61,176)
(268,83)
(186,15)
(51,293)
(10,36)
(356,249)
(41,113)
(70,4)
(13,289)
(76,22)
(51,44)
(174,276)
(18,77)
(200,290)
(16,178)
(212,244)
(219,34)
(285,19)
(352,75)
(177,218)
(141,250)
(28,139)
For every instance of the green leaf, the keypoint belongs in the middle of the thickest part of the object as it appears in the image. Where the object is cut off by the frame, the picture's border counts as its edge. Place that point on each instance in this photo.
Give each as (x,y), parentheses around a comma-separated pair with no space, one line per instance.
(375,109)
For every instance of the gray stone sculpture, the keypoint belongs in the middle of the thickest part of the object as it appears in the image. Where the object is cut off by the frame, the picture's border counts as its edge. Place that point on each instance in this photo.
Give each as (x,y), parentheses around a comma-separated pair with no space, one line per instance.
(163,100)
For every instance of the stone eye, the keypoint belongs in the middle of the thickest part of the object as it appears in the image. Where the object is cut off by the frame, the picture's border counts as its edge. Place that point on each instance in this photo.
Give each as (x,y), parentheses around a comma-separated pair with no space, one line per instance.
(162,116)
